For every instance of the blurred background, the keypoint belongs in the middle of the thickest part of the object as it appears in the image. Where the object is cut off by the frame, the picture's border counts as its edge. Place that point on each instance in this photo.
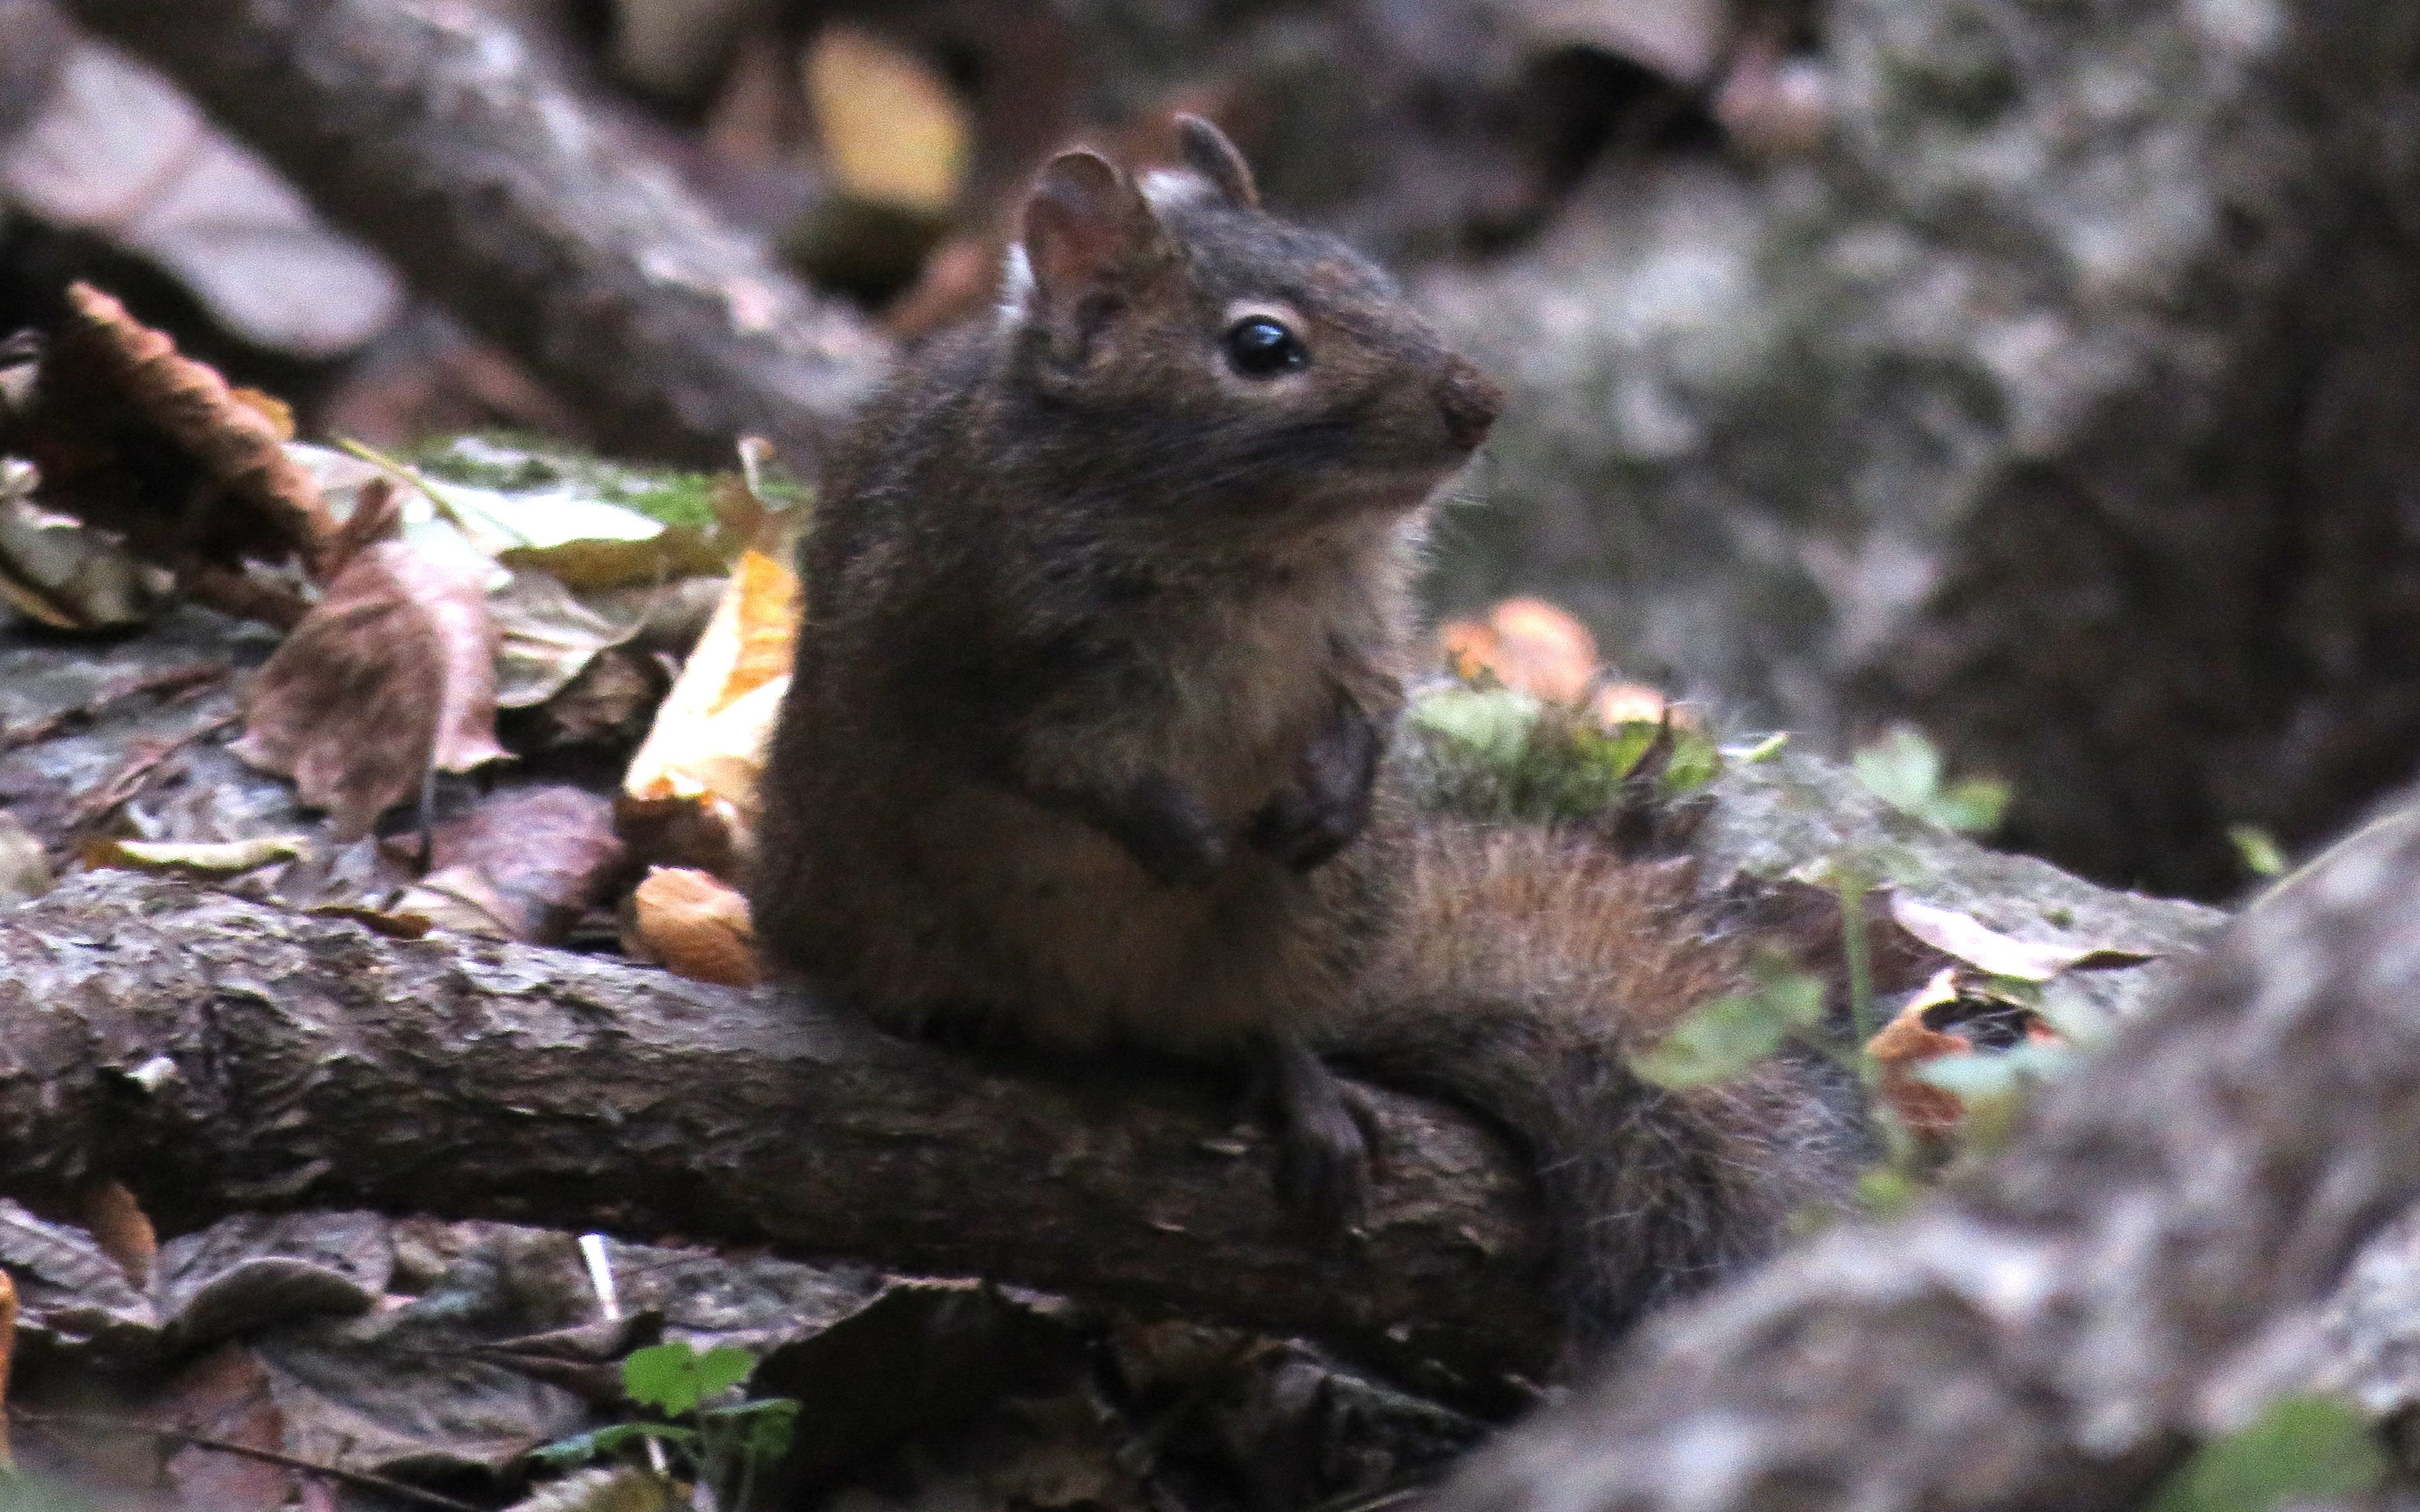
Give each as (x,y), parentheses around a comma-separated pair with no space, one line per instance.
(2039,372)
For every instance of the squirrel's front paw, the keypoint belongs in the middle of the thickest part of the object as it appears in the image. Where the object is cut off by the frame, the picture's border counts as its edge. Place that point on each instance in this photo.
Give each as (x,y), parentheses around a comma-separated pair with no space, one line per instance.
(1170,834)
(1326,805)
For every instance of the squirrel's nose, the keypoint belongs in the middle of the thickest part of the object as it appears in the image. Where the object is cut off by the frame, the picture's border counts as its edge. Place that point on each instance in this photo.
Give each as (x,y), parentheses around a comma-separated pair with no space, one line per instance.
(1470,401)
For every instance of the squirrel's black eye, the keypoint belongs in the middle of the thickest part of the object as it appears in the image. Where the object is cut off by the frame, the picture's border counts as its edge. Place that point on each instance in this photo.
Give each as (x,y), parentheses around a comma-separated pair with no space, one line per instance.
(1262,347)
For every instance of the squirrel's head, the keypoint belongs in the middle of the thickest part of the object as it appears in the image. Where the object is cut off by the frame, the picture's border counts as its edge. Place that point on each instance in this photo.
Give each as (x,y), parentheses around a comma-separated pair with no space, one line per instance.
(1257,367)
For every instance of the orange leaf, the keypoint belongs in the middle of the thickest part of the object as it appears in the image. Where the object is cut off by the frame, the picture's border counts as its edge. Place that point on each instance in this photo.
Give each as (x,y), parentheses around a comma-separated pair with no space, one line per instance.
(697,926)
(1470,647)
(1904,1045)
(7,1354)
(1542,650)
(119,1226)
(1528,644)
(698,766)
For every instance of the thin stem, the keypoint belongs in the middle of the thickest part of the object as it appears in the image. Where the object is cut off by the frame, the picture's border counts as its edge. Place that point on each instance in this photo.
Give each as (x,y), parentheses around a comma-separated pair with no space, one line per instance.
(1858,950)
(398,1490)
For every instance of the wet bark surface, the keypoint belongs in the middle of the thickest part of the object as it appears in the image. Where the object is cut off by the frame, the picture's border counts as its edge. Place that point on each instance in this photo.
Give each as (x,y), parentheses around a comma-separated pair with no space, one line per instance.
(220,1056)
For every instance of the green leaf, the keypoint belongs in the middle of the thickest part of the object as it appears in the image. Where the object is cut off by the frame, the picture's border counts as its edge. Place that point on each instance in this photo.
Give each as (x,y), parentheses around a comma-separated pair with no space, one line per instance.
(1726,1037)
(2258,850)
(2306,1448)
(674,1378)
(771,1422)
(1887,1193)
(1903,769)
(1494,722)
(723,1367)
(1973,807)
(1616,754)
(1995,1075)
(1762,751)
(597,1442)
(1696,762)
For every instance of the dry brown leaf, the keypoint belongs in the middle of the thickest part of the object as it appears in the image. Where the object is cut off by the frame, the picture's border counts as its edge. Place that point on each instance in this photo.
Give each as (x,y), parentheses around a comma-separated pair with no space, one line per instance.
(697,926)
(234,442)
(1906,1044)
(119,1226)
(393,672)
(892,130)
(524,866)
(1995,954)
(225,1395)
(376,515)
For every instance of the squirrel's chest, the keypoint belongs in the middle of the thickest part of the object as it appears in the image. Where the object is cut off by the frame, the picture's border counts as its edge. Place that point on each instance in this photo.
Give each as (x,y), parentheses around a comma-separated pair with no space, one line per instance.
(1247,690)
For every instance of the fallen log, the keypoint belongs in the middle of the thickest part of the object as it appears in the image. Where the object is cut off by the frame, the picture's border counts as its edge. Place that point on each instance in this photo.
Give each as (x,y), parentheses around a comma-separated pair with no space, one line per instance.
(218,1056)
(2145,1261)
(438,137)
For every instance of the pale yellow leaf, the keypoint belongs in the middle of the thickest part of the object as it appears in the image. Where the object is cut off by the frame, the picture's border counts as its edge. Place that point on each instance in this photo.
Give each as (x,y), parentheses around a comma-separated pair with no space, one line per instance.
(891,129)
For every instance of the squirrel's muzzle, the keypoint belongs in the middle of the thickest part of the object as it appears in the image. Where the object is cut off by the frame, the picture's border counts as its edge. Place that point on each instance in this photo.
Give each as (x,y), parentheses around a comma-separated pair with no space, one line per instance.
(1470,401)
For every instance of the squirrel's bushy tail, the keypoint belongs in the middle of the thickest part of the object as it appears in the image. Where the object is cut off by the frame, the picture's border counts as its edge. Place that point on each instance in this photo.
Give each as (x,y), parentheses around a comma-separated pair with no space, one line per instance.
(1533,965)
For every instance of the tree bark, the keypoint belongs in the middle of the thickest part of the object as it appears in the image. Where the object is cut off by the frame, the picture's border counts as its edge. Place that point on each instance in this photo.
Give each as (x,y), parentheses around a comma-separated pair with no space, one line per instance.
(2142,1265)
(219,1055)
(431,130)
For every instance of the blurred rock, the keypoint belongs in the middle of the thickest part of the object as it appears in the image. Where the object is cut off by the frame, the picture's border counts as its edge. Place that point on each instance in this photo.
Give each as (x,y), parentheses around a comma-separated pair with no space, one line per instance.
(2062,402)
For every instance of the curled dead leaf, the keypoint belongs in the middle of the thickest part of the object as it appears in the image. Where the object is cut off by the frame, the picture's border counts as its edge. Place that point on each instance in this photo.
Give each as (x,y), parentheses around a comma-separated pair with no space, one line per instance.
(1997,954)
(1907,1043)
(392,672)
(706,747)
(697,926)
(235,442)
(393,924)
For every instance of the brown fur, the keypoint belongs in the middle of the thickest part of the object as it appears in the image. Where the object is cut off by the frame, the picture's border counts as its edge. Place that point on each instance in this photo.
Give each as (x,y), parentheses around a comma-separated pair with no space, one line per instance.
(1530,966)
(1103,634)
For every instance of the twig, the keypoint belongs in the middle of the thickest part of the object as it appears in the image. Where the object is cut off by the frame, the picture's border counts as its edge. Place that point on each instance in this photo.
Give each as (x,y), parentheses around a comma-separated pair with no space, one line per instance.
(363,1478)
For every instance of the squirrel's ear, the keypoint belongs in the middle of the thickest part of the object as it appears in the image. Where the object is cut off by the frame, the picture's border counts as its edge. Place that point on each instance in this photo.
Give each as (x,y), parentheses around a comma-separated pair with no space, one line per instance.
(1083,221)
(1209,153)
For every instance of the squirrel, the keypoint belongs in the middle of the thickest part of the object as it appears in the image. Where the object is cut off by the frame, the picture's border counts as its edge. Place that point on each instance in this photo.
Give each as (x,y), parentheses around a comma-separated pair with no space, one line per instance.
(1108,612)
